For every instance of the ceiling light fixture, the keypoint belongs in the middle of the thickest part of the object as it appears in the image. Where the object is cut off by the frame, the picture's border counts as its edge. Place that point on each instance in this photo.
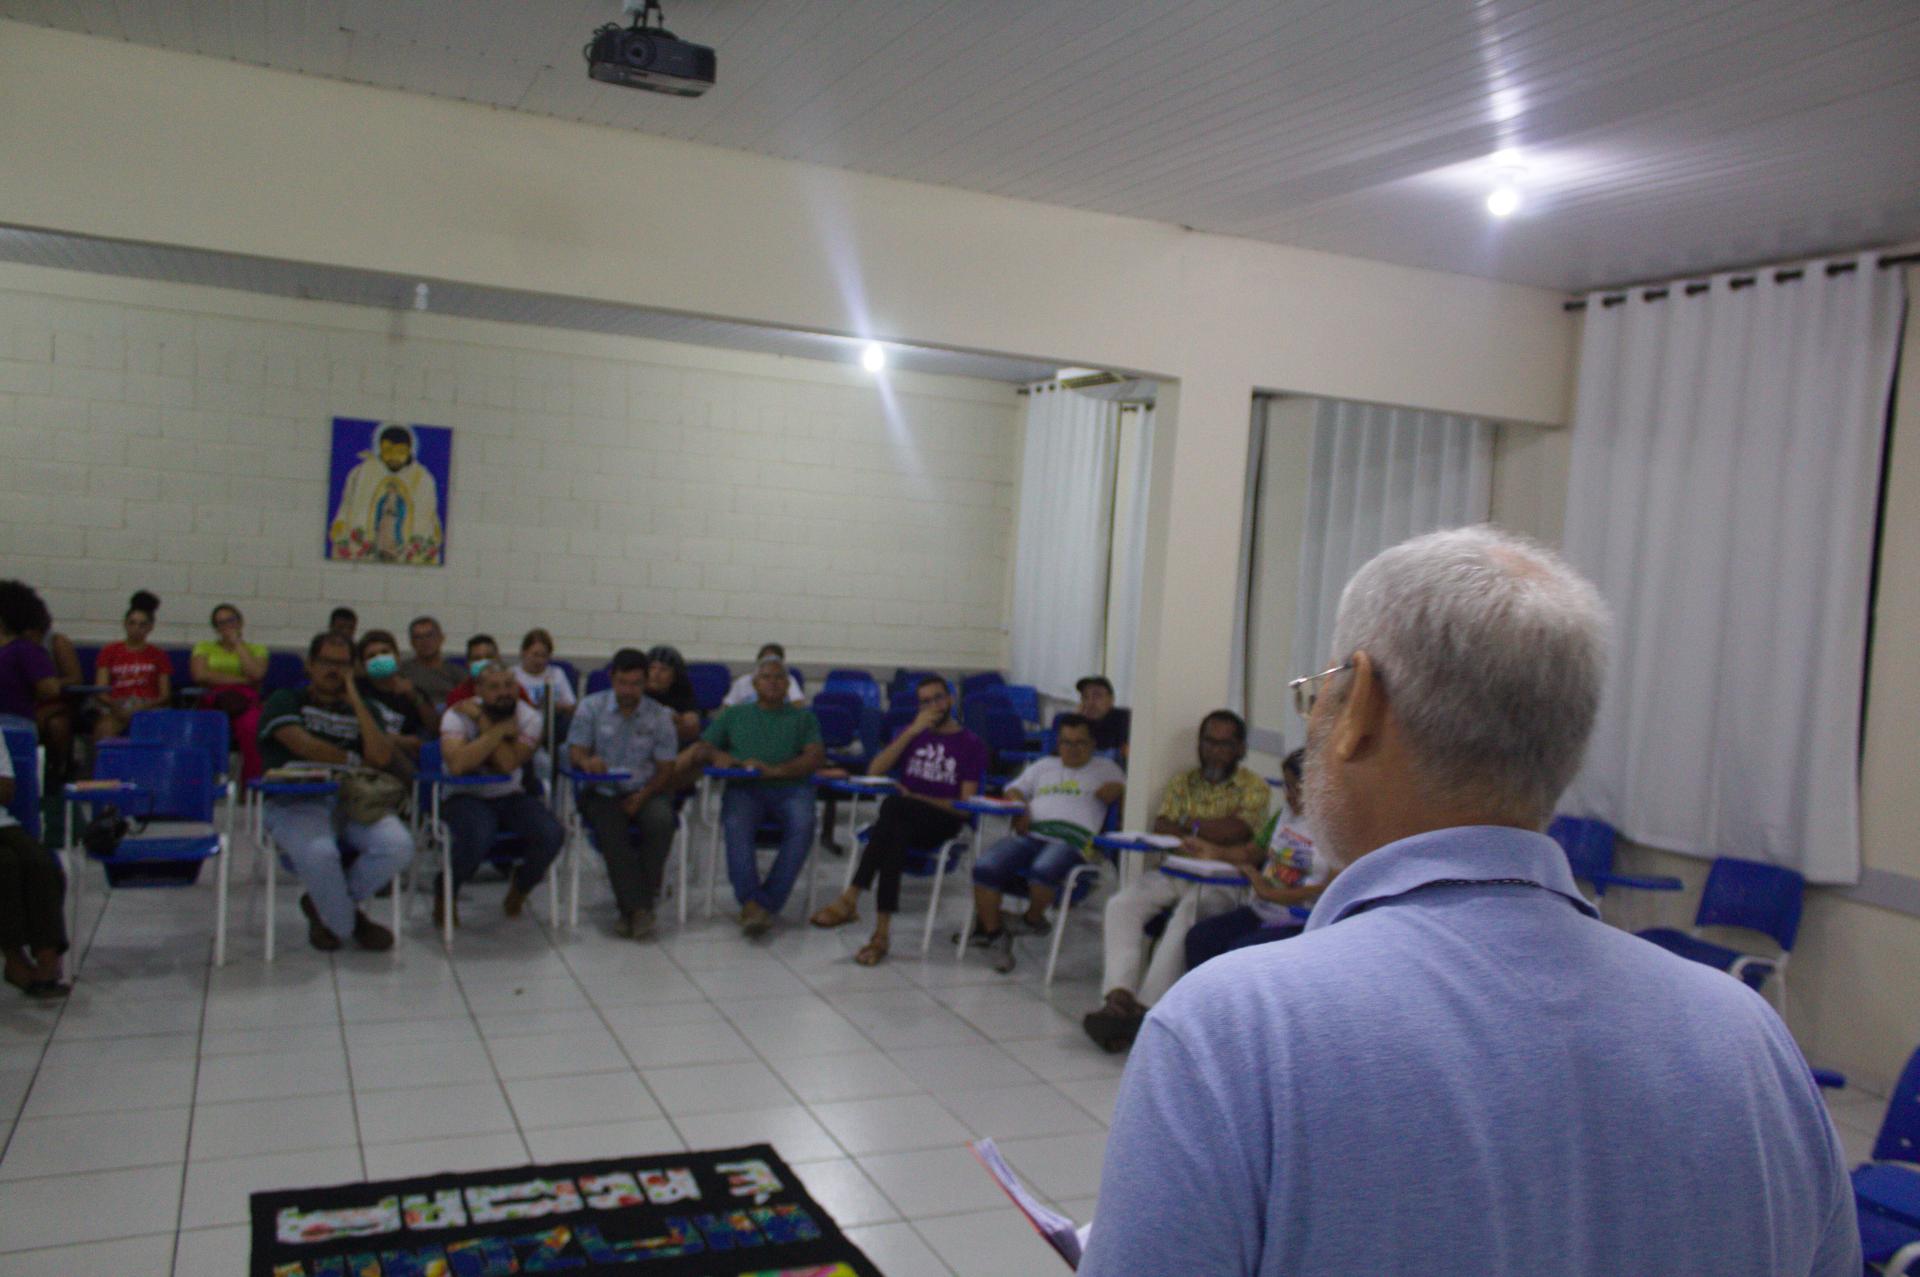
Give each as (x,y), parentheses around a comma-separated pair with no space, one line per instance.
(1504,199)
(874,357)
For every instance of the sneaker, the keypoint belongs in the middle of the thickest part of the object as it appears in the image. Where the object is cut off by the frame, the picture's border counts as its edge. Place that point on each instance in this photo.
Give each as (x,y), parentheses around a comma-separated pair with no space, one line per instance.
(515,903)
(623,927)
(1002,950)
(1044,927)
(369,934)
(640,925)
(755,920)
(318,934)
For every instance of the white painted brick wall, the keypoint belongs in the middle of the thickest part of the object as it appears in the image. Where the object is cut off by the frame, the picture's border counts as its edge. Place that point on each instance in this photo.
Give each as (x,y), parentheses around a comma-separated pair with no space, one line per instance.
(173,438)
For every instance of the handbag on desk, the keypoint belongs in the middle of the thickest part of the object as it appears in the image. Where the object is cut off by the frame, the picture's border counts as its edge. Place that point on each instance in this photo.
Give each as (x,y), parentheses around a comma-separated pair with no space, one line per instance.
(367,794)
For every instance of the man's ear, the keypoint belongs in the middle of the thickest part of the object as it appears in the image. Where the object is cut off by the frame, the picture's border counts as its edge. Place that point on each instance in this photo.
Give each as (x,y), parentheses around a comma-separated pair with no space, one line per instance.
(1362,716)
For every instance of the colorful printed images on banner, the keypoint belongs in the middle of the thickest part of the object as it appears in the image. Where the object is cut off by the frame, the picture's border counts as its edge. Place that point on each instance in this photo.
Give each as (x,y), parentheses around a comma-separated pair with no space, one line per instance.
(731,1213)
(387,491)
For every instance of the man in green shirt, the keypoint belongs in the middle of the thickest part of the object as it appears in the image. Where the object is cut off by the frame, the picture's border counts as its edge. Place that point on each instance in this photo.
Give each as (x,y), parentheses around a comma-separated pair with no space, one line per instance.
(782,742)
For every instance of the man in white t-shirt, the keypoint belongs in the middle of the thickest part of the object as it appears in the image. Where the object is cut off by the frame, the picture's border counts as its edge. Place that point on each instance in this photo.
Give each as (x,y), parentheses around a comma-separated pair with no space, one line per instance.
(1067,797)
(742,693)
(1294,873)
(494,733)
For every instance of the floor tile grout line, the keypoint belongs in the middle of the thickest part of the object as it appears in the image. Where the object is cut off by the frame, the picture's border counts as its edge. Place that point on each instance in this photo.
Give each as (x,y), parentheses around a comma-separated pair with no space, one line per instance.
(193,1103)
(53,1026)
(353,1091)
(473,1018)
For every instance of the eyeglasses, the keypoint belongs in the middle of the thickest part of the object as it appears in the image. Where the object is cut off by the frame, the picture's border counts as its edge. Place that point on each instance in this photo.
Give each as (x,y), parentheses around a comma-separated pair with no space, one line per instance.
(1307,690)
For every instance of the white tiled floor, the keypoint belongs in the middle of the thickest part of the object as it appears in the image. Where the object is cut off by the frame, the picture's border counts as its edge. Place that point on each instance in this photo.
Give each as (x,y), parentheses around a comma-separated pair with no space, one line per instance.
(136,1119)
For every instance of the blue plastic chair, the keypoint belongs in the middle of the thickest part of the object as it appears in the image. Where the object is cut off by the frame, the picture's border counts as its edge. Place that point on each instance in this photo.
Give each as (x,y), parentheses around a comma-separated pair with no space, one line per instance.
(895,721)
(284,670)
(933,863)
(711,682)
(598,681)
(1589,845)
(908,692)
(173,790)
(1024,699)
(1886,1189)
(435,780)
(182,661)
(839,726)
(972,685)
(842,698)
(855,683)
(202,729)
(571,784)
(1751,896)
(23,747)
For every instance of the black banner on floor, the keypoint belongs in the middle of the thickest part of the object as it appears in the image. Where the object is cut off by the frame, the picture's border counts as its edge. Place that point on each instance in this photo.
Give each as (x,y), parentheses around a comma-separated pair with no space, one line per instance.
(737,1212)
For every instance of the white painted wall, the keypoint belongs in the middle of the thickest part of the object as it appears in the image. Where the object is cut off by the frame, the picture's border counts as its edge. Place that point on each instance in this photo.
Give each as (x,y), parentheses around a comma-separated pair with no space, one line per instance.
(615,491)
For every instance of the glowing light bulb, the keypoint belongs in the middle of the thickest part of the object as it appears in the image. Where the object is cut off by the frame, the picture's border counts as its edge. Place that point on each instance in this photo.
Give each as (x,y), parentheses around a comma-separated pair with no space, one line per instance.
(1504,201)
(874,357)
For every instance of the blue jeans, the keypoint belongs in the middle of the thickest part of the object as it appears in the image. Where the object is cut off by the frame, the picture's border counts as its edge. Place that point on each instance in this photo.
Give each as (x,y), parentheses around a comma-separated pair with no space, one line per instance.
(1235,929)
(743,809)
(1008,864)
(473,822)
(308,834)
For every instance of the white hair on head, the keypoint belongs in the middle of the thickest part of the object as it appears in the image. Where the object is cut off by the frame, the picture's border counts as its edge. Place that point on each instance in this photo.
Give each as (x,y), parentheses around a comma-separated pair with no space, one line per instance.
(1492,651)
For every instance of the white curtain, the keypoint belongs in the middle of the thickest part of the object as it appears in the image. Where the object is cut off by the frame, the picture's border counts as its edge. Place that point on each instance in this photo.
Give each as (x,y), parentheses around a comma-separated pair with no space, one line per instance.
(1724,485)
(1129,560)
(1237,684)
(1379,476)
(1064,538)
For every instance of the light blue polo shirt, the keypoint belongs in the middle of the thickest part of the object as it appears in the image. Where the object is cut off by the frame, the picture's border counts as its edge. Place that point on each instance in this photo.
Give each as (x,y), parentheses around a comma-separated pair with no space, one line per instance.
(635,742)
(1457,1069)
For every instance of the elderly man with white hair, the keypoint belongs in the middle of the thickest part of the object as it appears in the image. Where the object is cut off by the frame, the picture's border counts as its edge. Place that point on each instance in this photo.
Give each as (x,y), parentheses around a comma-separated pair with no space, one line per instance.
(1457,1068)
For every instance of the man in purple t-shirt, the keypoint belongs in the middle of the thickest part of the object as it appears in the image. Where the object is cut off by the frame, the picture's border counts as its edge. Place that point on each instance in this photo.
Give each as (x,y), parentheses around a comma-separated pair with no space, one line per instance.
(939,762)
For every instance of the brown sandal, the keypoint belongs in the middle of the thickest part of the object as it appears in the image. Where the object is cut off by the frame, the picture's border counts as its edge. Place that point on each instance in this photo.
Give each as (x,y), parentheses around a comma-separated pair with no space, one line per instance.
(872,953)
(835,913)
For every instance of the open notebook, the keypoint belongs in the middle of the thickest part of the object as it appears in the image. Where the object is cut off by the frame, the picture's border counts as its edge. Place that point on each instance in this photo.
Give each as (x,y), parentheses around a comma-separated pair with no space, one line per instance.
(1059,1231)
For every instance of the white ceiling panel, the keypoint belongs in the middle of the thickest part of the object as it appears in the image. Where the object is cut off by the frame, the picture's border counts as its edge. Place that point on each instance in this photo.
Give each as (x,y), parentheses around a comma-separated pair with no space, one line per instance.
(1657,137)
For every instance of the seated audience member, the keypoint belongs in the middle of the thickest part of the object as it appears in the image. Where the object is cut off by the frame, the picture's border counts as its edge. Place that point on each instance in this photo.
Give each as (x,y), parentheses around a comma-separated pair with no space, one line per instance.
(1458,1068)
(231,670)
(620,730)
(345,622)
(940,763)
(539,677)
(495,731)
(482,652)
(136,674)
(1294,874)
(328,721)
(404,712)
(1067,797)
(1215,809)
(28,676)
(742,693)
(782,742)
(431,674)
(667,683)
(33,891)
(1110,724)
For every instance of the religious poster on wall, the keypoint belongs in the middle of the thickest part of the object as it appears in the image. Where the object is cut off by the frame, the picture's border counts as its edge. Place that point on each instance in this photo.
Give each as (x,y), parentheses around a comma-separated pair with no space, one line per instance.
(387,492)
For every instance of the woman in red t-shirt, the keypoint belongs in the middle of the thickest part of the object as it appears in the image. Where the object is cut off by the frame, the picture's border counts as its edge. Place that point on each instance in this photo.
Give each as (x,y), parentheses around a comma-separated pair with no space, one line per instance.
(136,674)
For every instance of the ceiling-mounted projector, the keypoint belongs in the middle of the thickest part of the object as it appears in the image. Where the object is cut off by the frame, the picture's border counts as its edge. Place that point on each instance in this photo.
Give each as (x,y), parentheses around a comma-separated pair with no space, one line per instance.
(649,57)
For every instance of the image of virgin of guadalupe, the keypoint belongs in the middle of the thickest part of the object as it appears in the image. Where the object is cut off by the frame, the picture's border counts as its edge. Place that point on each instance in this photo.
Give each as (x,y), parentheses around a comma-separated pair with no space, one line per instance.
(389,509)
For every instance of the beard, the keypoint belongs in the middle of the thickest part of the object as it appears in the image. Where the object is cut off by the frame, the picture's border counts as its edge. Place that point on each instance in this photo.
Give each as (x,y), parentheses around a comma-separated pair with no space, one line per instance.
(497,711)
